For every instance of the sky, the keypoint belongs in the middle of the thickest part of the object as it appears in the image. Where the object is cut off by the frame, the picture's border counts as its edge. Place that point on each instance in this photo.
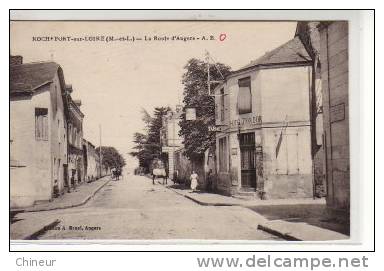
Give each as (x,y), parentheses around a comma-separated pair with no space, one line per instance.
(115,80)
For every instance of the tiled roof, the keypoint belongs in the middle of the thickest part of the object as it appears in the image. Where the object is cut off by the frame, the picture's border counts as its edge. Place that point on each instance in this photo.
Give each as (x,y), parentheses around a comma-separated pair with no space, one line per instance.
(292,51)
(26,78)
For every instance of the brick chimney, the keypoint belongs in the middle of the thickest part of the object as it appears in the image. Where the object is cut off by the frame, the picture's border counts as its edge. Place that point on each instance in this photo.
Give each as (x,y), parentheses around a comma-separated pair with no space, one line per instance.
(15,60)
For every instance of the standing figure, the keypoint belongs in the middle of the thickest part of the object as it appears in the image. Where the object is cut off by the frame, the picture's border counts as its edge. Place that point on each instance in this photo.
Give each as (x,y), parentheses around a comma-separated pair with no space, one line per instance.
(194,177)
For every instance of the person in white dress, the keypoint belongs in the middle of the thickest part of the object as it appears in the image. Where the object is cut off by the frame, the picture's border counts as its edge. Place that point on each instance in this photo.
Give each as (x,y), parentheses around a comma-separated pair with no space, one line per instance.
(194,177)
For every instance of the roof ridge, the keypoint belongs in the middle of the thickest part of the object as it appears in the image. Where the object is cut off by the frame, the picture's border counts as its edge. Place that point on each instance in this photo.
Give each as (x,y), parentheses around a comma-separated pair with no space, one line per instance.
(274,52)
(35,63)
(30,76)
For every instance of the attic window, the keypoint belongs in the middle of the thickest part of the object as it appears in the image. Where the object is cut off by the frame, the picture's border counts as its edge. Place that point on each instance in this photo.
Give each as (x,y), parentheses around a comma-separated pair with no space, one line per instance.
(244,98)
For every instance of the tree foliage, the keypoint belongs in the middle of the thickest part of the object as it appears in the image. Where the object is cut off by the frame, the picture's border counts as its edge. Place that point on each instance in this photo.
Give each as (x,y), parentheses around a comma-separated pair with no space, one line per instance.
(111,158)
(148,145)
(196,137)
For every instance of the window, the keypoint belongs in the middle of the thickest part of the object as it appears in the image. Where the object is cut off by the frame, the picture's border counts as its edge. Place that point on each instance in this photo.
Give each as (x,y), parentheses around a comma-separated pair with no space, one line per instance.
(244,98)
(41,123)
(223,154)
(58,131)
(69,133)
(222,104)
(74,136)
(78,139)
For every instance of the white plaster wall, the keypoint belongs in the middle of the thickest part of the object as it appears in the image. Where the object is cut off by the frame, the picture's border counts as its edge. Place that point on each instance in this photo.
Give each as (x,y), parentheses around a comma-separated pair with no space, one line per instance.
(58,132)
(300,157)
(92,166)
(285,91)
(33,182)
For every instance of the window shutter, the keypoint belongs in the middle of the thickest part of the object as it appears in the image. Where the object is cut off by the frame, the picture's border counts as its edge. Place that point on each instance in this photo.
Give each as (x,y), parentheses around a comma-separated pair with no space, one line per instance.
(41,123)
(244,98)
(45,127)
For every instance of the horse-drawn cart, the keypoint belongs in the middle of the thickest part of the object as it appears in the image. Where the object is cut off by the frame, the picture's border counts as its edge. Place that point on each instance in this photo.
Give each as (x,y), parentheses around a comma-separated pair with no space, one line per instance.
(159,171)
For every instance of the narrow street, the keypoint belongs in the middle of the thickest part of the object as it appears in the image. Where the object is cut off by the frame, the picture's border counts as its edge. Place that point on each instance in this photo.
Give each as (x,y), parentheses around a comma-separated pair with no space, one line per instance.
(133,208)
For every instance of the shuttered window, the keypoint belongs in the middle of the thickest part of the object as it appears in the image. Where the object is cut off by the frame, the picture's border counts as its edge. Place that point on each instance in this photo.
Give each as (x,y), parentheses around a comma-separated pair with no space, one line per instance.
(223,154)
(244,98)
(41,123)
(222,105)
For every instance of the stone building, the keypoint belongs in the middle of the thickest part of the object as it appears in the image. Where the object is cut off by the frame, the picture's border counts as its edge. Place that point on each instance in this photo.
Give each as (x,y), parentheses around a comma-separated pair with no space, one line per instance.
(334,76)
(75,135)
(181,167)
(91,161)
(170,139)
(37,132)
(327,43)
(309,35)
(263,147)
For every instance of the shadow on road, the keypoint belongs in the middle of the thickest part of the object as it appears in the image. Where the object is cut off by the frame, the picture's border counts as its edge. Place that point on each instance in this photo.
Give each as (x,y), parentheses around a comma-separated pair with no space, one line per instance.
(179,186)
(313,214)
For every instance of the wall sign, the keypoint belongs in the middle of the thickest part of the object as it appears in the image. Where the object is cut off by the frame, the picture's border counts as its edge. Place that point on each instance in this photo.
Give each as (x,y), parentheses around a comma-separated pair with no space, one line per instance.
(337,112)
(252,120)
(214,128)
(190,113)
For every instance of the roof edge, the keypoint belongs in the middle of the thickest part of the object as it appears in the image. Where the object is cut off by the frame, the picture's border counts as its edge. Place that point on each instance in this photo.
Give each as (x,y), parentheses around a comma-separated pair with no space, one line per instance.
(268,66)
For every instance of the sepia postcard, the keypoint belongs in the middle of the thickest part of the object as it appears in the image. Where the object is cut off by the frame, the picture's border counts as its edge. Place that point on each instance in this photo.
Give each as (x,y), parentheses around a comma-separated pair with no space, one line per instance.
(164,130)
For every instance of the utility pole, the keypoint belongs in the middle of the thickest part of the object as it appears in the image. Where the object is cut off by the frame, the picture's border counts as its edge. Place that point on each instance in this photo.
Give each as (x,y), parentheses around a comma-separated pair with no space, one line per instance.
(209,77)
(100,154)
(209,81)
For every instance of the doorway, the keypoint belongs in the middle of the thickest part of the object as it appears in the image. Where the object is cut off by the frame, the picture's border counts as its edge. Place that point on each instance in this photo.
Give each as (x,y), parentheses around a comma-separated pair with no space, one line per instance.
(248,161)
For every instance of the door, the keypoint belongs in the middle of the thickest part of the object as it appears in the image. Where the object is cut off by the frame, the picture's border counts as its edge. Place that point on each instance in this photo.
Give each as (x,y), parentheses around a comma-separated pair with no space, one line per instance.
(65,175)
(248,161)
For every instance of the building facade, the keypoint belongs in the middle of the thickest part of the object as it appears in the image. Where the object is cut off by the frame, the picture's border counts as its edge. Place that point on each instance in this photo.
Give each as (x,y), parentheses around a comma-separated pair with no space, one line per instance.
(37,132)
(76,167)
(308,33)
(170,139)
(334,76)
(263,111)
(91,158)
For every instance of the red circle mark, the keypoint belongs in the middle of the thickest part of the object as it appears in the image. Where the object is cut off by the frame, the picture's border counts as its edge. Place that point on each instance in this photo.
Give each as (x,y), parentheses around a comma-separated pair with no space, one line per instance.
(222,36)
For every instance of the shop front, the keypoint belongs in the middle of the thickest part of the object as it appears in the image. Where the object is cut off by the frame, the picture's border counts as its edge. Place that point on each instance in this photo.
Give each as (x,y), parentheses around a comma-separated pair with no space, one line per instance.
(263,146)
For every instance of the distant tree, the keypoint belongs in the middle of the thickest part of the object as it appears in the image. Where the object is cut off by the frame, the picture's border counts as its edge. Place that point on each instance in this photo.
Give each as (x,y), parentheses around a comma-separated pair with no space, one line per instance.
(111,157)
(148,146)
(139,152)
(196,137)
